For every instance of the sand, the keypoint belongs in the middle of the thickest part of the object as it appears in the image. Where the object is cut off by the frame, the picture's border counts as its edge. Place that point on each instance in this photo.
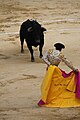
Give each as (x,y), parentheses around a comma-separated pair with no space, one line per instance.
(20,79)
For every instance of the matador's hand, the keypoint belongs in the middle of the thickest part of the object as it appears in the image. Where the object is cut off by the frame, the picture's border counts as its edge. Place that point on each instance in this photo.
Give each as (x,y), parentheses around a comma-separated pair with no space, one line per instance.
(76,70)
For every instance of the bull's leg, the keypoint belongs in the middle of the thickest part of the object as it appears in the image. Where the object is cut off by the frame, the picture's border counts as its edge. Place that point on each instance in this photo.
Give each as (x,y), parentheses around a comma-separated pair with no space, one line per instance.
(40,49)
(22,42)
(31,51)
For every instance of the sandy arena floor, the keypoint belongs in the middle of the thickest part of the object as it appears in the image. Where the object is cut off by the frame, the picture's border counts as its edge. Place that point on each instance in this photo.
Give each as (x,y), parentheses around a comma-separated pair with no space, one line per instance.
(20,79)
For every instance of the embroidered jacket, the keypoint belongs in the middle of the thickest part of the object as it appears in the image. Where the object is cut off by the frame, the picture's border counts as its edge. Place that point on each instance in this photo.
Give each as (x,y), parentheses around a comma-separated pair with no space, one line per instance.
(54,57)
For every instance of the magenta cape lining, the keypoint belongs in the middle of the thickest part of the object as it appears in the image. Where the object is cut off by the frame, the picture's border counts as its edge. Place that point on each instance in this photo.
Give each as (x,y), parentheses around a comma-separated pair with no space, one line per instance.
(77,82)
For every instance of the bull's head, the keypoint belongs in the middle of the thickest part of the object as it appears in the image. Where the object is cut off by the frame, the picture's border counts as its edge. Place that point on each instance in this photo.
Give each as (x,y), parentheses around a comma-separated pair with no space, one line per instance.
(37,34)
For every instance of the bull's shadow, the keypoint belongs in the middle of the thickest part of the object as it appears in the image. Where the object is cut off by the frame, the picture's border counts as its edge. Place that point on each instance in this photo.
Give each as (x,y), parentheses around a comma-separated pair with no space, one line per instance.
(33,33)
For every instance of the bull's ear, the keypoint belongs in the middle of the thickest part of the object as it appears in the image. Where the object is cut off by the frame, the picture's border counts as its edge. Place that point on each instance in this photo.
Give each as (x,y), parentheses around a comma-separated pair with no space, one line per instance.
(43,29)
(29,29)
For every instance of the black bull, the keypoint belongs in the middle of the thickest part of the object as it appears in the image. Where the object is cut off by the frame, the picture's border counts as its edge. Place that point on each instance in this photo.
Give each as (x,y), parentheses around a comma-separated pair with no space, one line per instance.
(33,33)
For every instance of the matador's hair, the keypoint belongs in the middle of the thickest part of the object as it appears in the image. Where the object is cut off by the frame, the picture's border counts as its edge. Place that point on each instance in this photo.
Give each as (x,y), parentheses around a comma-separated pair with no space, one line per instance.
(59,46)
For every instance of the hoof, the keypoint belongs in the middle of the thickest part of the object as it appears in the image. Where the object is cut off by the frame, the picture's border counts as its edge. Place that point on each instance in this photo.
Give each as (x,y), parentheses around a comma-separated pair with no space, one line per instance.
(32,60)
(41,56)
(22,51)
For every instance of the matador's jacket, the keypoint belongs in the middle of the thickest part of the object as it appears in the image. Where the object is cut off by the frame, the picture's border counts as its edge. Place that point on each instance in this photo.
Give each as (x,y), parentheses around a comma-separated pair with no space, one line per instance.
(54,57)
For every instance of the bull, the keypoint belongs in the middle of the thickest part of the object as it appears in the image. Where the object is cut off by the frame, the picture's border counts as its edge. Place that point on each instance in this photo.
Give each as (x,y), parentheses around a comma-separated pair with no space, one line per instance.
(33,33)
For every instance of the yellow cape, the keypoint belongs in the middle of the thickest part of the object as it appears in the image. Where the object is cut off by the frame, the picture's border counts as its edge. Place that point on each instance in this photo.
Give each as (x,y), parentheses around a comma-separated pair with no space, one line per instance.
(57,91)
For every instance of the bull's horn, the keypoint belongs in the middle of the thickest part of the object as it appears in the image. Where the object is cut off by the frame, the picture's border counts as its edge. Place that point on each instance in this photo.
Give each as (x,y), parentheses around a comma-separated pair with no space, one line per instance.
(29,29)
